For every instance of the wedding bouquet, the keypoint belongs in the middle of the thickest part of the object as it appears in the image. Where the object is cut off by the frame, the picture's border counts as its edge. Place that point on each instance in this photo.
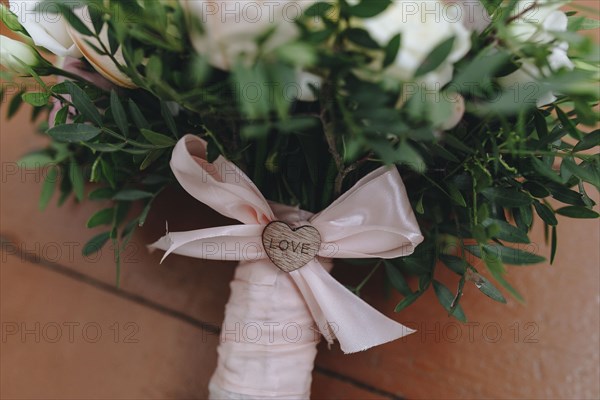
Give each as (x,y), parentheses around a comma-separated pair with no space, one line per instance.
(297,118)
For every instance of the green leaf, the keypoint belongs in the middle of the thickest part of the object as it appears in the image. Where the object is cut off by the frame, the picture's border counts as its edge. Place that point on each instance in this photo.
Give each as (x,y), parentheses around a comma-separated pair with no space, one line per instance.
(407,155)
(486,64)
(83,103)
(102,217)
(150,158)
(95,244)
(168,118)
(491,5)
(486,287)
(407,301)
(545,213)
(14,105)
(76,178)
(158,139)
(74,133)
(589,141)
(507,231)
(104,193)
(585,174)
(545,170)
(497,270)
(507,197)
(361,37)
(48,188)
(105,147)
(396,278)
(108,172)
(138,118)
(73,19)
(456,264)
(589,24)
(436,57)
(568,124)
(419,207)
(456,195)
(118,113)
(318,9)
(36,99)
(577,212)
(132,195)
(446,298)
(565,195)
(97,18)
(61,116)
(456,143)
(507,255)
(145,211)
(391,50)
(536,189)
(9,19)
(35,160)
(369,8)
(154,69)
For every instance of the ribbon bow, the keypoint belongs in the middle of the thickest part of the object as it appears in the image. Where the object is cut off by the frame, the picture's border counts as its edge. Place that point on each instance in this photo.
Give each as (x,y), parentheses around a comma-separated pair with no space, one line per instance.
(373,219)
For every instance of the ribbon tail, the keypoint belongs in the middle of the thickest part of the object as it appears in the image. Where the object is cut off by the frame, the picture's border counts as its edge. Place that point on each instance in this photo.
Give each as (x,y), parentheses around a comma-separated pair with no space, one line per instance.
(341,314)
(227,243)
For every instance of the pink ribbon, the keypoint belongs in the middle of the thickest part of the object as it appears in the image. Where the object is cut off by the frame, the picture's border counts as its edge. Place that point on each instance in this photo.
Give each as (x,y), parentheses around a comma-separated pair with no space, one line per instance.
(373,219)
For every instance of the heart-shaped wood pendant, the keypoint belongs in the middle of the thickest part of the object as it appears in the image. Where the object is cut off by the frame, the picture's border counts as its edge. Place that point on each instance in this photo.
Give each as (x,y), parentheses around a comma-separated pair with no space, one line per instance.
(290,248)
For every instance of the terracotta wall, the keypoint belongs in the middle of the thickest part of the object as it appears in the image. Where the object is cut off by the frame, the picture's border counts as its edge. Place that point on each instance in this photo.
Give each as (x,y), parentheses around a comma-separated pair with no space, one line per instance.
(68,333)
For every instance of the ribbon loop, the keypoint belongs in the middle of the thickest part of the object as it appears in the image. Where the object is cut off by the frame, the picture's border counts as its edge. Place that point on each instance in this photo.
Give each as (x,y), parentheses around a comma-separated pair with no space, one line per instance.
(221,185)
(373,219)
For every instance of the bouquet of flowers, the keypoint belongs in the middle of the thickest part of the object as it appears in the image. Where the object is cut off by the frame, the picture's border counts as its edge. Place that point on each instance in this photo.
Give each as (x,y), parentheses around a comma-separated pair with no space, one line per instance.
(297,118)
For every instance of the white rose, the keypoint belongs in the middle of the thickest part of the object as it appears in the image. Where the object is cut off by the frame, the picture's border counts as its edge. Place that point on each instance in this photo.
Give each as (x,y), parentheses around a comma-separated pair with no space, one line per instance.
(423,25)
(46,27)
(231,30)
(536,22)
(13,52)
(536,27)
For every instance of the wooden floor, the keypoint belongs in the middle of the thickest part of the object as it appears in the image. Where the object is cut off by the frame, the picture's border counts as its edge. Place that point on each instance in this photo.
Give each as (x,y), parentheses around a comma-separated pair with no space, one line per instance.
(68,333)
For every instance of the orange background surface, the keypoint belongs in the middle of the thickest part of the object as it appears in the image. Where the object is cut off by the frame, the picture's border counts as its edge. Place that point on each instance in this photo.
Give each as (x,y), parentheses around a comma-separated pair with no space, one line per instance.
(68,333)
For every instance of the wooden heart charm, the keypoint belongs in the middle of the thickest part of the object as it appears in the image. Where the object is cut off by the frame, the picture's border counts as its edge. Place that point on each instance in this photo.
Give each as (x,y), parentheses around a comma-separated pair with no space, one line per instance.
(290,248)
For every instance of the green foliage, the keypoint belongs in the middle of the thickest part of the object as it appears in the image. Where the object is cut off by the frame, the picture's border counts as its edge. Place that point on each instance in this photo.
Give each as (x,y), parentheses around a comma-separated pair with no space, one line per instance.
(475,187)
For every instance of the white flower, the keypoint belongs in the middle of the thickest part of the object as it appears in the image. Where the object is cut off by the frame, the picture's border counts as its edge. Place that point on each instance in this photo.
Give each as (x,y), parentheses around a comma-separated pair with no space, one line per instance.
(13,53)
(104,64)
(536,26)
(423,25)
(46,26)
(231,30)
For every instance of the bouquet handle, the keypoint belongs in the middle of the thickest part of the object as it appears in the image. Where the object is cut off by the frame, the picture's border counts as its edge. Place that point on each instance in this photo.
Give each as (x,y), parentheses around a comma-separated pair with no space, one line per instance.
(268,340)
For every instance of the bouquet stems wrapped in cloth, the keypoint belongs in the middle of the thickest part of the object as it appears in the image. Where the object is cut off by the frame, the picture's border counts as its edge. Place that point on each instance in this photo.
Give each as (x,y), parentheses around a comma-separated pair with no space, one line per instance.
(296,119)
(282,293)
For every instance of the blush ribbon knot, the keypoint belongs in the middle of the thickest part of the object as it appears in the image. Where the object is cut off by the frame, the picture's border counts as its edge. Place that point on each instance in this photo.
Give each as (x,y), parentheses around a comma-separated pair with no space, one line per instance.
(373,219)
